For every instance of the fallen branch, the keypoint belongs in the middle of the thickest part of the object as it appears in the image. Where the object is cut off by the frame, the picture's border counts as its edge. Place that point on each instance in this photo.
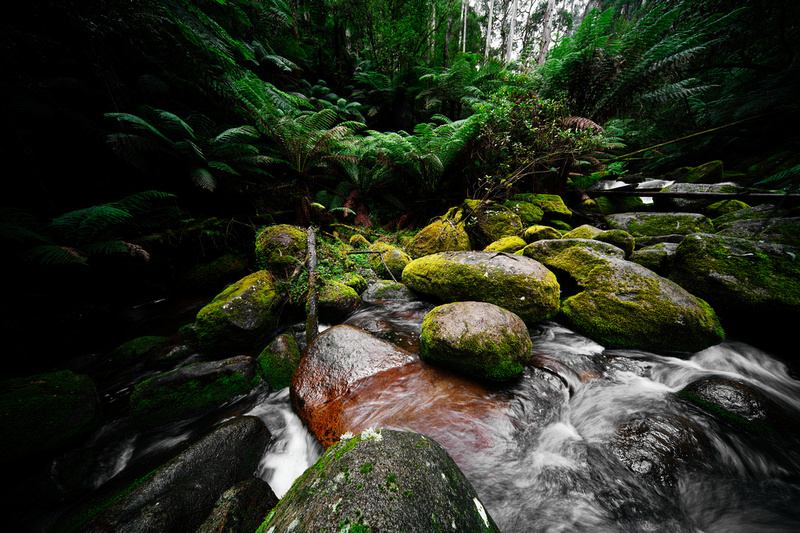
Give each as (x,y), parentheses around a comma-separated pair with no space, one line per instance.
(382,261)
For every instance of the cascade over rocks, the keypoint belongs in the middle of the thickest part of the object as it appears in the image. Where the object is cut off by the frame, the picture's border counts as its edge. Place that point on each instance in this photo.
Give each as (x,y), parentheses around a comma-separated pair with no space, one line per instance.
(477,338)
(180,495)
(241,316)
(382,481)
(513,282)
(621,304)
(334,361)
(191,390)
(753,286)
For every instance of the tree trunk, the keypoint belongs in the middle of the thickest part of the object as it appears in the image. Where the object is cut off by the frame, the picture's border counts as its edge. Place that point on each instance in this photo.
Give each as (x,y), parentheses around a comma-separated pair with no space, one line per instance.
(511,30)
(546,31)
(447,36)
(489,29)
(312,312)
(463,26)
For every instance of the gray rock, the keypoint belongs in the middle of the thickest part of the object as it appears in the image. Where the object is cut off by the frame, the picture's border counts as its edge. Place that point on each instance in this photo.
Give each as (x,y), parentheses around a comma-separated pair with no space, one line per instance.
(660,224)
(382,481)
(387,290)
(658,257)
(241,509)
(772,230)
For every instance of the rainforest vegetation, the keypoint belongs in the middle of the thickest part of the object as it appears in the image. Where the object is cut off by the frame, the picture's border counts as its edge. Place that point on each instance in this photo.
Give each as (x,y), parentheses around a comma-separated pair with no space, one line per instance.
(130,125)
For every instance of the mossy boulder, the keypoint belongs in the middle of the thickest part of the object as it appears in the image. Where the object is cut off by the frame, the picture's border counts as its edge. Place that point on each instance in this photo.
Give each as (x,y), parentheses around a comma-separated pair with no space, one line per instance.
(358,241)
(476,338)
(585,231)
(658,257)
(690,205)
(241,316)
(506,244)
(621,304)
(710,172)
(750,213)
(754,286)
(392,258)
(486,222)
(448,233)
(528,213)
(619,238)
(387,290)
(139,349)
(552,205)
(241,509)
(541,250)
(334,362)
(382,480)
(774,230)
(276,363)
(540,233)
(179,495)
(281,248)
(725,207)
(353,280)
(39,414)
(516,283)
(336,301)
(191,390)
(626,204)
(659,224)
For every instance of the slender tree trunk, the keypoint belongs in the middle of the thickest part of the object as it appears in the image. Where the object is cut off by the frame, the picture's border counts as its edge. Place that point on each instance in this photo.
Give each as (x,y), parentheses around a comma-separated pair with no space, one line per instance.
(447,36)
(511,29)
(312,312)
(489,29)
(546,31)
(463,26)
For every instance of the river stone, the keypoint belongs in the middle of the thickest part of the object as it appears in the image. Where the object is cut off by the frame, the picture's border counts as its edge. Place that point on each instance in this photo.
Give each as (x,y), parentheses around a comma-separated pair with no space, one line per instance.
(180,495)
(775,230)
(619,238)
(749,213)
(659,224)
(332,364)
(755,287)
(538,233)
(528,213)
(506,244)
(276,363)
(387,290)
(353,280)
(139,349)
(658,446)
(241,316)
(585,231)
(476,338)
(445,234)
(621,304)
(542,249)
(658,257)
(516,283)
(741,405)
(39,414)
(394,258)
(723,208)
(241,509)
(381,481)
(191,390)
(336,301)
(281,248)
(488,222)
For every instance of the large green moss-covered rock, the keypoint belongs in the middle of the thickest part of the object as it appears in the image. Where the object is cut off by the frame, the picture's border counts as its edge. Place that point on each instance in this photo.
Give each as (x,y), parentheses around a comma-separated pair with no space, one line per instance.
(691,205)
(619,238)
(658,224)
(381,481)
(241,316)
(392,258)
(585,231)
(541,250)
(139,349)
(528,213)
(486,222)
(552,205)
(281,248)
(241,509)
(476,338)
(506,244)
(540,233)
(42,412)
(448,233)
(658,257)
(624,305)
(336,301)
(191,390)
(516,283)
(754,286)
(775,230)
(276,363)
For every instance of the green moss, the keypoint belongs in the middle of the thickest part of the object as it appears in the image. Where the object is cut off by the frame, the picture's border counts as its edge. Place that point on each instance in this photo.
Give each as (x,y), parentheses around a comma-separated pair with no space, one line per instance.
(528,213)
(394,258)
(506,244)
(655,225)
(366,468)
(619,238)
(440,236)
(538,233)
(277,362)
(280,248)
(137,349)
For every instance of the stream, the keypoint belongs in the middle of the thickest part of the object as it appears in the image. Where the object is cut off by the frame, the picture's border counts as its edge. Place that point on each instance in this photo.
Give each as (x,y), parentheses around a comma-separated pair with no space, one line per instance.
(543,451)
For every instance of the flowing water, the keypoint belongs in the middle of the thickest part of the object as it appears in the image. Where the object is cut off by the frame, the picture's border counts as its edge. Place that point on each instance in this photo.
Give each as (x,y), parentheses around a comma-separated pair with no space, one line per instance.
(548,451)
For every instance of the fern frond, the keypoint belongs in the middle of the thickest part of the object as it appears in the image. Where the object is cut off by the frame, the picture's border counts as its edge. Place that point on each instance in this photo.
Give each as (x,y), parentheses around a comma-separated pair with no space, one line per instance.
(51,254)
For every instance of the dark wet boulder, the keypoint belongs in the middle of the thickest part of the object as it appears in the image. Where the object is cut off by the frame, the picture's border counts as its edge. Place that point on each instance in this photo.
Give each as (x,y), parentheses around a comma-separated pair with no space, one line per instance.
(276,363)
(334,361)
(279,249)
(39,414)
(389,262)
(241,509)
(754,287)
(336,301)
(387,290)
(742,406)
(241,316)
(382,481)
(784,231)
(660,446)
(476,338)
(181,494)
(710,172)
(621,304)
(657,257)
(448,233)
(191,390)
(619,238)
(513,282)
(139,349)
(695,205)
(760,211)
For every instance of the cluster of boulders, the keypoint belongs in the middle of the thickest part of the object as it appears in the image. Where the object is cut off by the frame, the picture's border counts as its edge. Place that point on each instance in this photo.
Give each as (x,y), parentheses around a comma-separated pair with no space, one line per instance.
(659,280)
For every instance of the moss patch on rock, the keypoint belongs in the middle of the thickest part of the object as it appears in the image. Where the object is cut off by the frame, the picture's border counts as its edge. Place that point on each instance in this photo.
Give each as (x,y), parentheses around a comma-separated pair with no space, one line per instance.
(276,363)
(392,257)
(506,244)
(442,235)
(281,248)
